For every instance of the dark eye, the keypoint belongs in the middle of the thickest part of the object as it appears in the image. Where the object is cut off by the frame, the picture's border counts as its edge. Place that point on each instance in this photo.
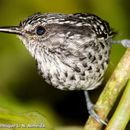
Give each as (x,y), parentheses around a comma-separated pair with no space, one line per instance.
(40,30)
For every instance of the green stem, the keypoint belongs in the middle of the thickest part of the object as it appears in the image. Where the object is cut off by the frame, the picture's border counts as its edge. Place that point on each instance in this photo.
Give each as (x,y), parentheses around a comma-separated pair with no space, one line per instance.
(122,115)
(111,91)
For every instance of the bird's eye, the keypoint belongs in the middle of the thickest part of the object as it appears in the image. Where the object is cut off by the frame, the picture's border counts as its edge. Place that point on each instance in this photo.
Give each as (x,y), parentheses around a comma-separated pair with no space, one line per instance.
(40,30)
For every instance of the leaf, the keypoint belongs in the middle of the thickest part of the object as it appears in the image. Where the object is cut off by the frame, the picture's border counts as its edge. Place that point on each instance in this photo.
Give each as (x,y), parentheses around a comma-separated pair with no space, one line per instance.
(33,120)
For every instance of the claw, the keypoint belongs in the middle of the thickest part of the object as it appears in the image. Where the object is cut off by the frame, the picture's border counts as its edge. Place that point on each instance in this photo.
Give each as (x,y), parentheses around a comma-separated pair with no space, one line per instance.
(125,42)
(96,106)
(95,116)
(90,107)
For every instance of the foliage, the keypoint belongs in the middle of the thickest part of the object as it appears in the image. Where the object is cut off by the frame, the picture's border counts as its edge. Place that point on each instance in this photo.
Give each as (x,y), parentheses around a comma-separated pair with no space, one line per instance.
(21,88)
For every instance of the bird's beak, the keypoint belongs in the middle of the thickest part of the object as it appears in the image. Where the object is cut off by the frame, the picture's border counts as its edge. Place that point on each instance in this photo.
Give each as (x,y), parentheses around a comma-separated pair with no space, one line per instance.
(11,29)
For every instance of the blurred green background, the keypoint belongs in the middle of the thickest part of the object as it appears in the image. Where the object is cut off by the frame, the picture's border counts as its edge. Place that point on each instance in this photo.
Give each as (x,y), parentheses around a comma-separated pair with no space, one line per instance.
(21,88)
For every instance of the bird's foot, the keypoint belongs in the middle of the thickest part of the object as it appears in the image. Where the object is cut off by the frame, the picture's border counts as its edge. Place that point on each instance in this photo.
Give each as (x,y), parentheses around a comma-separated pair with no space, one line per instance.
(125,42)
(90,107)
(94,115)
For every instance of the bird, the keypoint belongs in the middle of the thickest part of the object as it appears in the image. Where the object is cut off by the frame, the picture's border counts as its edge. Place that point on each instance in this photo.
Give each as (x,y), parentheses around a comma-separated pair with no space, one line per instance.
(72,51)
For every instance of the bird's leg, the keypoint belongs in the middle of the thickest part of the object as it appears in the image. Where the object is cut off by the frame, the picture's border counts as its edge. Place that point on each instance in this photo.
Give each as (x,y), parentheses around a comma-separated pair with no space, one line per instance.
(125,42)
(90,107)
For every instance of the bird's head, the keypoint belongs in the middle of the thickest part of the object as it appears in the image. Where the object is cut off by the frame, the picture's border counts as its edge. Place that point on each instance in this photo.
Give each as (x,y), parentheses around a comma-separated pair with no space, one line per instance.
(51,30)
